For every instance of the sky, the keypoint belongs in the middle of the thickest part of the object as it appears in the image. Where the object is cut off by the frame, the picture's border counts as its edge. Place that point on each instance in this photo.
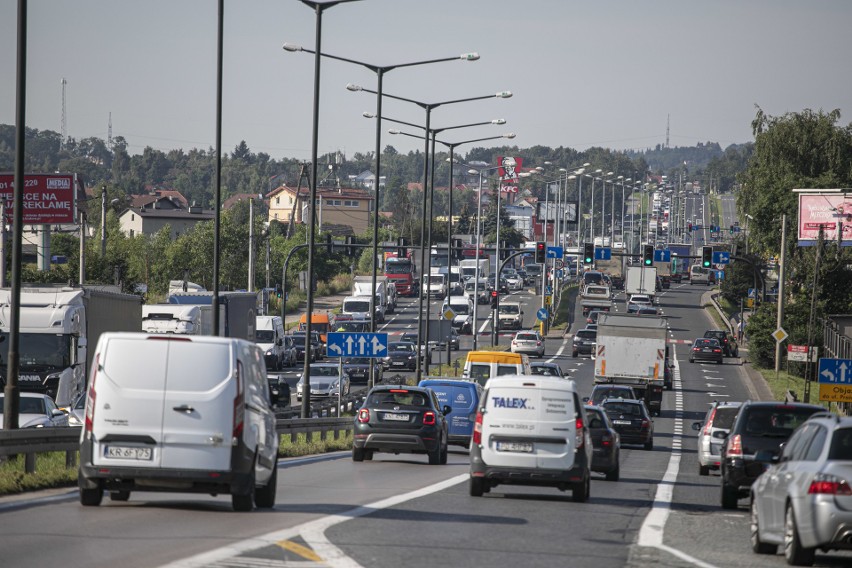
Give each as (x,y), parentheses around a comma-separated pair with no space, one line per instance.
(609,73)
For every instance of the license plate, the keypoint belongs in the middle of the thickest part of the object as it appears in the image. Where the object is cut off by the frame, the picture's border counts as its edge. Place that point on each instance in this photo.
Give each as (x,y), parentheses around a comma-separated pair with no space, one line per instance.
(622,422)
(707,350)
(125,453)
(525,447)
(398,363)
(395,417)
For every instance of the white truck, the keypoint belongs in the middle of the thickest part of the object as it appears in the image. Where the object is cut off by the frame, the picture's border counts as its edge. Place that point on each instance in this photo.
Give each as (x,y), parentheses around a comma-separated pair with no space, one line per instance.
(363,286)
(468,268)
(596,297)
(58,324)
(435,285)
(632,350)
(641,280)
(358,308)
(171,318)
(237,312)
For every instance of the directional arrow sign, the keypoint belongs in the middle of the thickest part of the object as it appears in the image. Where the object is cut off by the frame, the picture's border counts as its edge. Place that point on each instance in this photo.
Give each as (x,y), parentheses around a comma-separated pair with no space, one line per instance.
(602,253)
(721,257)
(554,252)
(541,314)
(370,345)
(837,371)
(664,255)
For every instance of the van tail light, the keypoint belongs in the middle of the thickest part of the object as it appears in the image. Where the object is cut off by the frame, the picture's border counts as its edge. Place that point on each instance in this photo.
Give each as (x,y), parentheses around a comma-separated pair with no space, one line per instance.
(827,484)
(537,343)
(606,440)
(735,447)
(90,401)
(579,438)
(364,415)
(477,428)
(239,407)
(429,418)
(709,425)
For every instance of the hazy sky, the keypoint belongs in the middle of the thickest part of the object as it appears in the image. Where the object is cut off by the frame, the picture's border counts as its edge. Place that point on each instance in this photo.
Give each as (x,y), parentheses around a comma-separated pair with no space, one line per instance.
(583,73)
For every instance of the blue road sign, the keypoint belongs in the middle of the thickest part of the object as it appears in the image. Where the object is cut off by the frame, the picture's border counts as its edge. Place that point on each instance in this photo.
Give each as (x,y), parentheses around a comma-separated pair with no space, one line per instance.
(603,253)
(721,257)
(736,229)
(548,290)
(720,275)
(560,273)
(664,255)
(835,371)
(357,345)
(554,252)
(541,314)
(752,292)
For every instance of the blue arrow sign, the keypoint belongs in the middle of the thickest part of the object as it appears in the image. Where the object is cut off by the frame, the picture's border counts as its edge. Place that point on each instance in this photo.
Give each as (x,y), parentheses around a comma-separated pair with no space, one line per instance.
(603,253)
(835,371)
(560,273)
(370,345)
(664,255)
(721,257)
(554,252)
(541,314)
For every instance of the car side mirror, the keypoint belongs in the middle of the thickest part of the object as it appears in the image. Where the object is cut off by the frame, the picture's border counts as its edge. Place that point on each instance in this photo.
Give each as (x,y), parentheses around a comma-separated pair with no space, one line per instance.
(57,412)
(696,426)
(447,409)
(720,434)
(585,399)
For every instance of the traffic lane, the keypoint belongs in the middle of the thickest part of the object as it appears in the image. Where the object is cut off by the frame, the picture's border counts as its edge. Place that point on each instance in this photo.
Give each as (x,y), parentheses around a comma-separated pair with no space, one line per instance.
(155,528)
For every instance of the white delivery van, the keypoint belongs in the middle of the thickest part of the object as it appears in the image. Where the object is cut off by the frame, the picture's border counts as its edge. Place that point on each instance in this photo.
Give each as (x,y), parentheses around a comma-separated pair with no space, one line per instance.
(700,275)
(178,413)
(531,430)
(269,336)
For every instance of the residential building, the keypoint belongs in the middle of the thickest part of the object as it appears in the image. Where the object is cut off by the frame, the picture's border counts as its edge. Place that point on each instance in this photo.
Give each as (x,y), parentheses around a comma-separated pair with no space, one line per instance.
(339,209)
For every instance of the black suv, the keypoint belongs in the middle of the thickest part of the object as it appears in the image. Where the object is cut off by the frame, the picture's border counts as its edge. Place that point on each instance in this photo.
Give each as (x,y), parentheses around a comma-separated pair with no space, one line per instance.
(758,426)
(401,419)
(726,340)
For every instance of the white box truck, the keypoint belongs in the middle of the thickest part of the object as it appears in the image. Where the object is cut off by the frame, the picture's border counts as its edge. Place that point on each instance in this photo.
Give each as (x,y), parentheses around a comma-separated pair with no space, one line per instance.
(631,349)
(363,286)
(468,268)
(237,311)
(641,280)
(170,318)
(59,325)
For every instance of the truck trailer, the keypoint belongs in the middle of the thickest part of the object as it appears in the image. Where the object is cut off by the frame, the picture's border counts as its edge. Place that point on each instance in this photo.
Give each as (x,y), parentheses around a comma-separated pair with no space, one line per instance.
(237,311)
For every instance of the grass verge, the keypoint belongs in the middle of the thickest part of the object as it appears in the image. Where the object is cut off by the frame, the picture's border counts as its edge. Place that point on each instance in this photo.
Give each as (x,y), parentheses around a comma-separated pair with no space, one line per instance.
(566,306)
(785,381)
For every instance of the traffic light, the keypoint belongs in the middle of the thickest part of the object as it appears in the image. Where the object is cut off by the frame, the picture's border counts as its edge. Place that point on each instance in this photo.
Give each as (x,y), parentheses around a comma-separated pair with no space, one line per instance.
(495,297)
(648,255)
(731,229)
(690,226)
(540,253)
(706,256)
(350,250)
(278,291)
(329,245)
(457,249)
(402,251)
(588,253)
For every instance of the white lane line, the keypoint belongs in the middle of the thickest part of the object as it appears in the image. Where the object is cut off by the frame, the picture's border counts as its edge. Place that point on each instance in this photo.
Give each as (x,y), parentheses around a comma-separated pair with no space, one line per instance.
(312,532)
(653,527)
(559,351)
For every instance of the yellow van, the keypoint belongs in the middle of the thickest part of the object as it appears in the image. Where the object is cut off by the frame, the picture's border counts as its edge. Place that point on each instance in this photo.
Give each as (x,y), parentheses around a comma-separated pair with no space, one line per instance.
(482,365)
(319,323)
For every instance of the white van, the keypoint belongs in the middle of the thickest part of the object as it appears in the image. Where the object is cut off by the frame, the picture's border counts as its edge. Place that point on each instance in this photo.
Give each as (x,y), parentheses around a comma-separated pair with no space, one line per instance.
(700,275)
(531,430)
(178,413)
(269,336)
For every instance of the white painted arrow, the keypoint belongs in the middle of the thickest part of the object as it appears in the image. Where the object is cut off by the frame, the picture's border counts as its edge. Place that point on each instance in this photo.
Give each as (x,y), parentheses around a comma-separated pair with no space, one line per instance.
(362,342)
(717,394)
(335,348)
(377,346)
(349,342)
(828,375)
(711,385)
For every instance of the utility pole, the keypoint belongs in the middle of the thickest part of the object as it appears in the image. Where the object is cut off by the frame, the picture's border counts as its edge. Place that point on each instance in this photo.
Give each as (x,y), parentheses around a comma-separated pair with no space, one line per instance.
(782,260)
(250,286)
(103,221)
(3,283)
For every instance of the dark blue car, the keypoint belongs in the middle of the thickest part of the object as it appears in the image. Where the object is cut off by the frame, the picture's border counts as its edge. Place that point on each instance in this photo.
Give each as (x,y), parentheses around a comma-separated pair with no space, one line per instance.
(463,397)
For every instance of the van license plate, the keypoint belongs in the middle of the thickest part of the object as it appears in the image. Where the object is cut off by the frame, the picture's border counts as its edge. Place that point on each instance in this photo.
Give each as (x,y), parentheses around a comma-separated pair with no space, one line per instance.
(622,422)
(525,447)
(395,417)
(124,453)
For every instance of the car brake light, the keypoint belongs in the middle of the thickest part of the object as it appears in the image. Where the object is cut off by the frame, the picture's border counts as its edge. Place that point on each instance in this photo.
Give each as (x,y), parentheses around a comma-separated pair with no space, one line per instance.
(364,415)
(645,424)
(717,351)
(477,428)
(696,349)
(429,418)
(709,424)
(735,447)
(538,343)
(827,484)
(90,402)
(239,409)
(579,438)
(606,440)
(403,391)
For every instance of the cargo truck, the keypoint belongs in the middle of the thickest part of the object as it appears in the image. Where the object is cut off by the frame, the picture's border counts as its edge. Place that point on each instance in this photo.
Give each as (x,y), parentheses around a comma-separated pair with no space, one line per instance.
(641,280)
(237,312)
(614,267)
(363,286)
(170,318)
(403,273)
(59,328)
(632,350)
(680,262)
(596,297)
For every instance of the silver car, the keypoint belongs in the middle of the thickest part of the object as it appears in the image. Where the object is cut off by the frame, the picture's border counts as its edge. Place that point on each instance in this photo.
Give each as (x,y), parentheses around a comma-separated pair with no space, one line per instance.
(712,432)
(325,381)
(37,410)
(803,501)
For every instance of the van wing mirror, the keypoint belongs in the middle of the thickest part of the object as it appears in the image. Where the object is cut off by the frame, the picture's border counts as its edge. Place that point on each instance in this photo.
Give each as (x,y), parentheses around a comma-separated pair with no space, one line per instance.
(447,409)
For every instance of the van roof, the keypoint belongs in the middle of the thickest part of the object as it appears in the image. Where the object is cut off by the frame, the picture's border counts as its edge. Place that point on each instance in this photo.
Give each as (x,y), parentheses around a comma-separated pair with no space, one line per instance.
(494,357)
(539,381)
(315,318)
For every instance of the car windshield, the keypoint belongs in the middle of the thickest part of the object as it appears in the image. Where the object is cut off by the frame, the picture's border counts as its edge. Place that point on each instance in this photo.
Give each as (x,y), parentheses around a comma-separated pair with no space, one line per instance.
(841,445)
(395,397)
(706,343)
(599,395)
(397,267)
(28,405)
(264,335)
(545,370)
(597,290)
(509,309)
(407,347)
(775,421)
(435,279)
(356,361)
(356,306)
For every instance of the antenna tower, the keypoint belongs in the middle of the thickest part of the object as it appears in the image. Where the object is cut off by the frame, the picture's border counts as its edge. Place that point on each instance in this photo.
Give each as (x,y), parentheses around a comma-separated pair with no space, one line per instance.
(668,121)
(109,132)
(63,127)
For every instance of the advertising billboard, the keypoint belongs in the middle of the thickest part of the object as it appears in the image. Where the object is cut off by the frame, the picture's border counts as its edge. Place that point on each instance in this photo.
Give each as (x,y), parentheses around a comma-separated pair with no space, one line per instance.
(48,198)
(824,210)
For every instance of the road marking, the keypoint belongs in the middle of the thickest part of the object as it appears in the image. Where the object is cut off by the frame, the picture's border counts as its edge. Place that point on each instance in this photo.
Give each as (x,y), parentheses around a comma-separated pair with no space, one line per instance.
(299,550)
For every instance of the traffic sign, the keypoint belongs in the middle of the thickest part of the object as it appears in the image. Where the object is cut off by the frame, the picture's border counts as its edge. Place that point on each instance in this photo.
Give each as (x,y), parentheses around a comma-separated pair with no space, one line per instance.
(779,335)
(721,257)
(560,274)
(370,345)
(752,292)
(449,314)
(541,314)
(603,253)
(720,275)
(548,289)
(835,380)
(554,252)
(559,263)
(801,353)
(664,255)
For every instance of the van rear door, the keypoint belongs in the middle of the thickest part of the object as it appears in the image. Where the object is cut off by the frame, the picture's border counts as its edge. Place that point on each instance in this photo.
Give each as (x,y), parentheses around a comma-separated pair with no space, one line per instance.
(200,404)
(510,428)
(463,399)
(557,429)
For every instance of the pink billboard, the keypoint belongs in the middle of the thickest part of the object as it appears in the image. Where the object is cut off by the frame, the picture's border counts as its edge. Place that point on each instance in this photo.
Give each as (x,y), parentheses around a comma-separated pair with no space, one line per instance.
(48,198)
(824,210)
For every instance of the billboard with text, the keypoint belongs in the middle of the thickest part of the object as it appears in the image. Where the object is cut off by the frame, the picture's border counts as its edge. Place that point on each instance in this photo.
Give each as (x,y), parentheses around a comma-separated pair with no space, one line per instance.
(48,199)
(824,210)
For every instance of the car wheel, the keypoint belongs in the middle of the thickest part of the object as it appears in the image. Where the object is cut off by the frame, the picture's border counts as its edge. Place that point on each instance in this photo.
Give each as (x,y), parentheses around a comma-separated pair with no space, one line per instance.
(119,495)
(692,360)
(91,497)
(574,354)
(614,474)
(476,486)
(649,445)
(728,495)
(244,502)
(445,454)
(703,470)
(368,455)
(754,535)
(264,497)
(580,491)
(435,455)
(357,454)
(794,552)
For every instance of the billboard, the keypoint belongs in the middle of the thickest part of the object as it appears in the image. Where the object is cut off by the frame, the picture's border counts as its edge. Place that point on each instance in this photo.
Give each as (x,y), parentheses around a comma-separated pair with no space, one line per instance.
(824,210)
(550,211)
(48,198)
(508,172)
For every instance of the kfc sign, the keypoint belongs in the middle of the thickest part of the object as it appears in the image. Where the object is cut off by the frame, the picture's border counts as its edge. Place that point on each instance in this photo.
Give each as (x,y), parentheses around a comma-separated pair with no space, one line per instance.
(509,168)
(48,198)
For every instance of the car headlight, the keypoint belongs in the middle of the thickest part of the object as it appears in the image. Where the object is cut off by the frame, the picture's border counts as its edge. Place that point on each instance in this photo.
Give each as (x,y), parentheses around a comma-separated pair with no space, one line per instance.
(269,351)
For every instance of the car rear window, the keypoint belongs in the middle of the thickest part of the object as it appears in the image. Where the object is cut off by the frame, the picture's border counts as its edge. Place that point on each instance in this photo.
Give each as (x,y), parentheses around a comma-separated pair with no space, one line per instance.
(402,398)
(622,408)
(526,336)
(841,445)
(724,417)
(775,421)
(587,334)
